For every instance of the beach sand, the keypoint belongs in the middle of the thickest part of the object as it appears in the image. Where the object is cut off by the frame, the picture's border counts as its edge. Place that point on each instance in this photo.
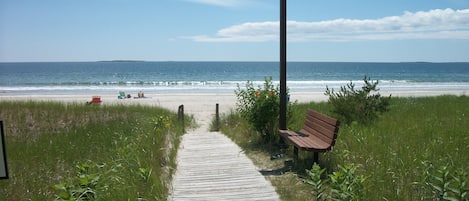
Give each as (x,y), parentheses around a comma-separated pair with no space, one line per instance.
(200,105)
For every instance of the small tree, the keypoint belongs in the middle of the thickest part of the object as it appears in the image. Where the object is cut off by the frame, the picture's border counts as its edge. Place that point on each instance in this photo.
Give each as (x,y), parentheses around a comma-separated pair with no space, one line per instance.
(319,190)
(344,184)
(363,105)
(260,108)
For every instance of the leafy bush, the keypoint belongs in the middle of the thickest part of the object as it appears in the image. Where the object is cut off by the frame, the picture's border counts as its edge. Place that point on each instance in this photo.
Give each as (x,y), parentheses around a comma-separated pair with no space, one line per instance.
(318,184)
(363,105)
(260,108)
(446,183)
(343,184)
(81,187)
(346,185)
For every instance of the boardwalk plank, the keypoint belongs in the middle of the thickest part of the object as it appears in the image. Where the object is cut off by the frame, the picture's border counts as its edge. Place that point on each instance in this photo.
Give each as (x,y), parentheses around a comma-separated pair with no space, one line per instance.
(212,167)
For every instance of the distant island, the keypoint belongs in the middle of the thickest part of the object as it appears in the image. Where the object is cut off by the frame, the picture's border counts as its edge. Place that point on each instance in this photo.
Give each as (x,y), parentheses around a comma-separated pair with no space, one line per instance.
(123,61)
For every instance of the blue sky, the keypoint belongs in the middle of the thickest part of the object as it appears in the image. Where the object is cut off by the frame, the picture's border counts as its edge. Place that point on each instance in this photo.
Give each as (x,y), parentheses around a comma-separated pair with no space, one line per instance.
(233,30)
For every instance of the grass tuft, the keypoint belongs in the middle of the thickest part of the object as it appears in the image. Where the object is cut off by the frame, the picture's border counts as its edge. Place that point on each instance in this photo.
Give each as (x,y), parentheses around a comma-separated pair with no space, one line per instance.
(393,153)
(116,152)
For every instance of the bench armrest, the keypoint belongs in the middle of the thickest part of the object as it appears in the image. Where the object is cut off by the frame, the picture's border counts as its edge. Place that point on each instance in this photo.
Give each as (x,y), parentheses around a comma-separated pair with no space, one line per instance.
(287,132)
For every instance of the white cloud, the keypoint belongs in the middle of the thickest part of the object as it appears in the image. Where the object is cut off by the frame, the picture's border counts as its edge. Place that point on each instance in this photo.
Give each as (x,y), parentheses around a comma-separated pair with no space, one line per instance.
(433,24)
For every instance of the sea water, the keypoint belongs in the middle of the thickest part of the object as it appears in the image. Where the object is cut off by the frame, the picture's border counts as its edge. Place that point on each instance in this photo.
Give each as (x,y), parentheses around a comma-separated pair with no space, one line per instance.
(222,77)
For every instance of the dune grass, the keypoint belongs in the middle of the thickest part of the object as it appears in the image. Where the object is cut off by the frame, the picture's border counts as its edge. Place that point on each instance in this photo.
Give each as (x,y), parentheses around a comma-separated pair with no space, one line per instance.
(395,153)
(115,152)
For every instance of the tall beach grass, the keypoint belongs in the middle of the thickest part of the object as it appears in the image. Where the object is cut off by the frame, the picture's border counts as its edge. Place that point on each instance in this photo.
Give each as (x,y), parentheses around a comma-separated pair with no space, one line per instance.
(395,153)
(128,151)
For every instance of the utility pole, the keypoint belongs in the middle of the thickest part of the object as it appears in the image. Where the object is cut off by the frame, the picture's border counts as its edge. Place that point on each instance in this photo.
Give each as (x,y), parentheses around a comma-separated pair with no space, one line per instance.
(283,65)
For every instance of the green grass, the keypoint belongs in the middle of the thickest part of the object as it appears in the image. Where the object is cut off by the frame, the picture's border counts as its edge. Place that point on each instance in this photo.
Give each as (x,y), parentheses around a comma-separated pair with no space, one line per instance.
(131,148)
(394,152)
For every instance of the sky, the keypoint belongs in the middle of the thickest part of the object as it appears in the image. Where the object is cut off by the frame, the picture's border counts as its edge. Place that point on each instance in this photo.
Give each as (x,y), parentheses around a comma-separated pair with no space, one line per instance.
(234,30)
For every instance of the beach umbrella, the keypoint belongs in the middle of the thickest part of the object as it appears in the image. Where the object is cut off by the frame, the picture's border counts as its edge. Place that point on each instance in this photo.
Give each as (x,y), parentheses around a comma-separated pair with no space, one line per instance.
(283,65)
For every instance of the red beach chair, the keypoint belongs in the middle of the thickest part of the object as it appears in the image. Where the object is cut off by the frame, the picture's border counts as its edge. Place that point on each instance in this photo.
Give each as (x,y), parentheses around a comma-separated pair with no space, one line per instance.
(95,100)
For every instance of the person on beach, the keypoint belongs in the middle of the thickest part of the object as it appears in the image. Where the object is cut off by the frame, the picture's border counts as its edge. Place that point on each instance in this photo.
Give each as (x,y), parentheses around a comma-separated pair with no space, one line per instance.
(140,94)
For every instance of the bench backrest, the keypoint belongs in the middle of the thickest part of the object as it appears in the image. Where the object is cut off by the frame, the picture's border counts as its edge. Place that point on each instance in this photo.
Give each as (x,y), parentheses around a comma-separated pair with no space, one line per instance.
(322,126)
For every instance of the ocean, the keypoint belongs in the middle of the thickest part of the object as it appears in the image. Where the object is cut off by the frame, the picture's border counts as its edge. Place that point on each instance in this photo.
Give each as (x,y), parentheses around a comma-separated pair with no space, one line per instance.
(222,77)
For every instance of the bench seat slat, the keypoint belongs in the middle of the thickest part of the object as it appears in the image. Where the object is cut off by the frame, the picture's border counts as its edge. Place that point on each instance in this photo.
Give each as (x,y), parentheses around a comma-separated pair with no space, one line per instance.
(302,141)
(313,143)
(318,133)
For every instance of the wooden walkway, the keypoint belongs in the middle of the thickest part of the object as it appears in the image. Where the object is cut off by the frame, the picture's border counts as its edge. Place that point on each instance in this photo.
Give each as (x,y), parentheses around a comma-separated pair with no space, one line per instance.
(212,167)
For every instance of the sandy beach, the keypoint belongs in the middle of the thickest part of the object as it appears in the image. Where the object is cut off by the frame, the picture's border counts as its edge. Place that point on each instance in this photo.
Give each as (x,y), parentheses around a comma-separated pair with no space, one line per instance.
(201,105)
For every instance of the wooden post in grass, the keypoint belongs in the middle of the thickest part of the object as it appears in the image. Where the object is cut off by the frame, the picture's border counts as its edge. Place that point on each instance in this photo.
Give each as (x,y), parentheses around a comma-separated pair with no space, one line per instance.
(181,117)
(217,118)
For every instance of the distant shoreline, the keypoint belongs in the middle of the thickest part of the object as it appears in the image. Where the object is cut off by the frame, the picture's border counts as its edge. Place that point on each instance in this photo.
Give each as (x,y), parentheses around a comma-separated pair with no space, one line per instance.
(201,105)
(122,61)
(207,61)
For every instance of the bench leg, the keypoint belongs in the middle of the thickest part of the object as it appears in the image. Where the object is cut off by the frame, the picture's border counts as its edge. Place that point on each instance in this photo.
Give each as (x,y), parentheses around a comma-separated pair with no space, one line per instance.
(316,157)
(295,153)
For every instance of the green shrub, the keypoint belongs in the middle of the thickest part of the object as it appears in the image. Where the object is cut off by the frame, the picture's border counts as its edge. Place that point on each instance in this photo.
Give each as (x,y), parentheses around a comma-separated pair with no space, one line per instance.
(81,187)
(343,184)
(363,105)
(446,183)
(346,184)
(260,108)
(318,184)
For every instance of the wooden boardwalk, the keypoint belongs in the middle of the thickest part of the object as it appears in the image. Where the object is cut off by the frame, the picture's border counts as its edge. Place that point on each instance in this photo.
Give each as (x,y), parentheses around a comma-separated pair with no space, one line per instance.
(212,167)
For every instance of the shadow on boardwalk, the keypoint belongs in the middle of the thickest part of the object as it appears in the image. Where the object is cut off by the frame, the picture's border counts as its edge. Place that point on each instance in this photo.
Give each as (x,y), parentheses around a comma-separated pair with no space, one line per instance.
(212,167)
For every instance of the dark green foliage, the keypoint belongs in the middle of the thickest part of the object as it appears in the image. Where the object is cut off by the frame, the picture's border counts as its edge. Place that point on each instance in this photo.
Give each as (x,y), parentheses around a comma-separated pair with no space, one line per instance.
(318,184)
(445,183)
(260,108)
(343,185)
(363,105)
(81,187)
(346,184)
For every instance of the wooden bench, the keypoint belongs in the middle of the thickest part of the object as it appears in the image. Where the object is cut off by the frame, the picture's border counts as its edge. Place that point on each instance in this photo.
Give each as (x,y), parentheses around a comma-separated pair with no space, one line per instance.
(318,134)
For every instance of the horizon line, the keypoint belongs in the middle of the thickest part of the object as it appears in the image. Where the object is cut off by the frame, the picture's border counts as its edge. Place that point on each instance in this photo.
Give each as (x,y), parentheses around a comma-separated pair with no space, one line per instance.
(232,61)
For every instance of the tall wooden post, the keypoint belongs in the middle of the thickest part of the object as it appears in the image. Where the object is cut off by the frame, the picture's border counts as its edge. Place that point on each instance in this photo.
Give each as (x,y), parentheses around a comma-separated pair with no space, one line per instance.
(217,117)
(283,65)
(181,117)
